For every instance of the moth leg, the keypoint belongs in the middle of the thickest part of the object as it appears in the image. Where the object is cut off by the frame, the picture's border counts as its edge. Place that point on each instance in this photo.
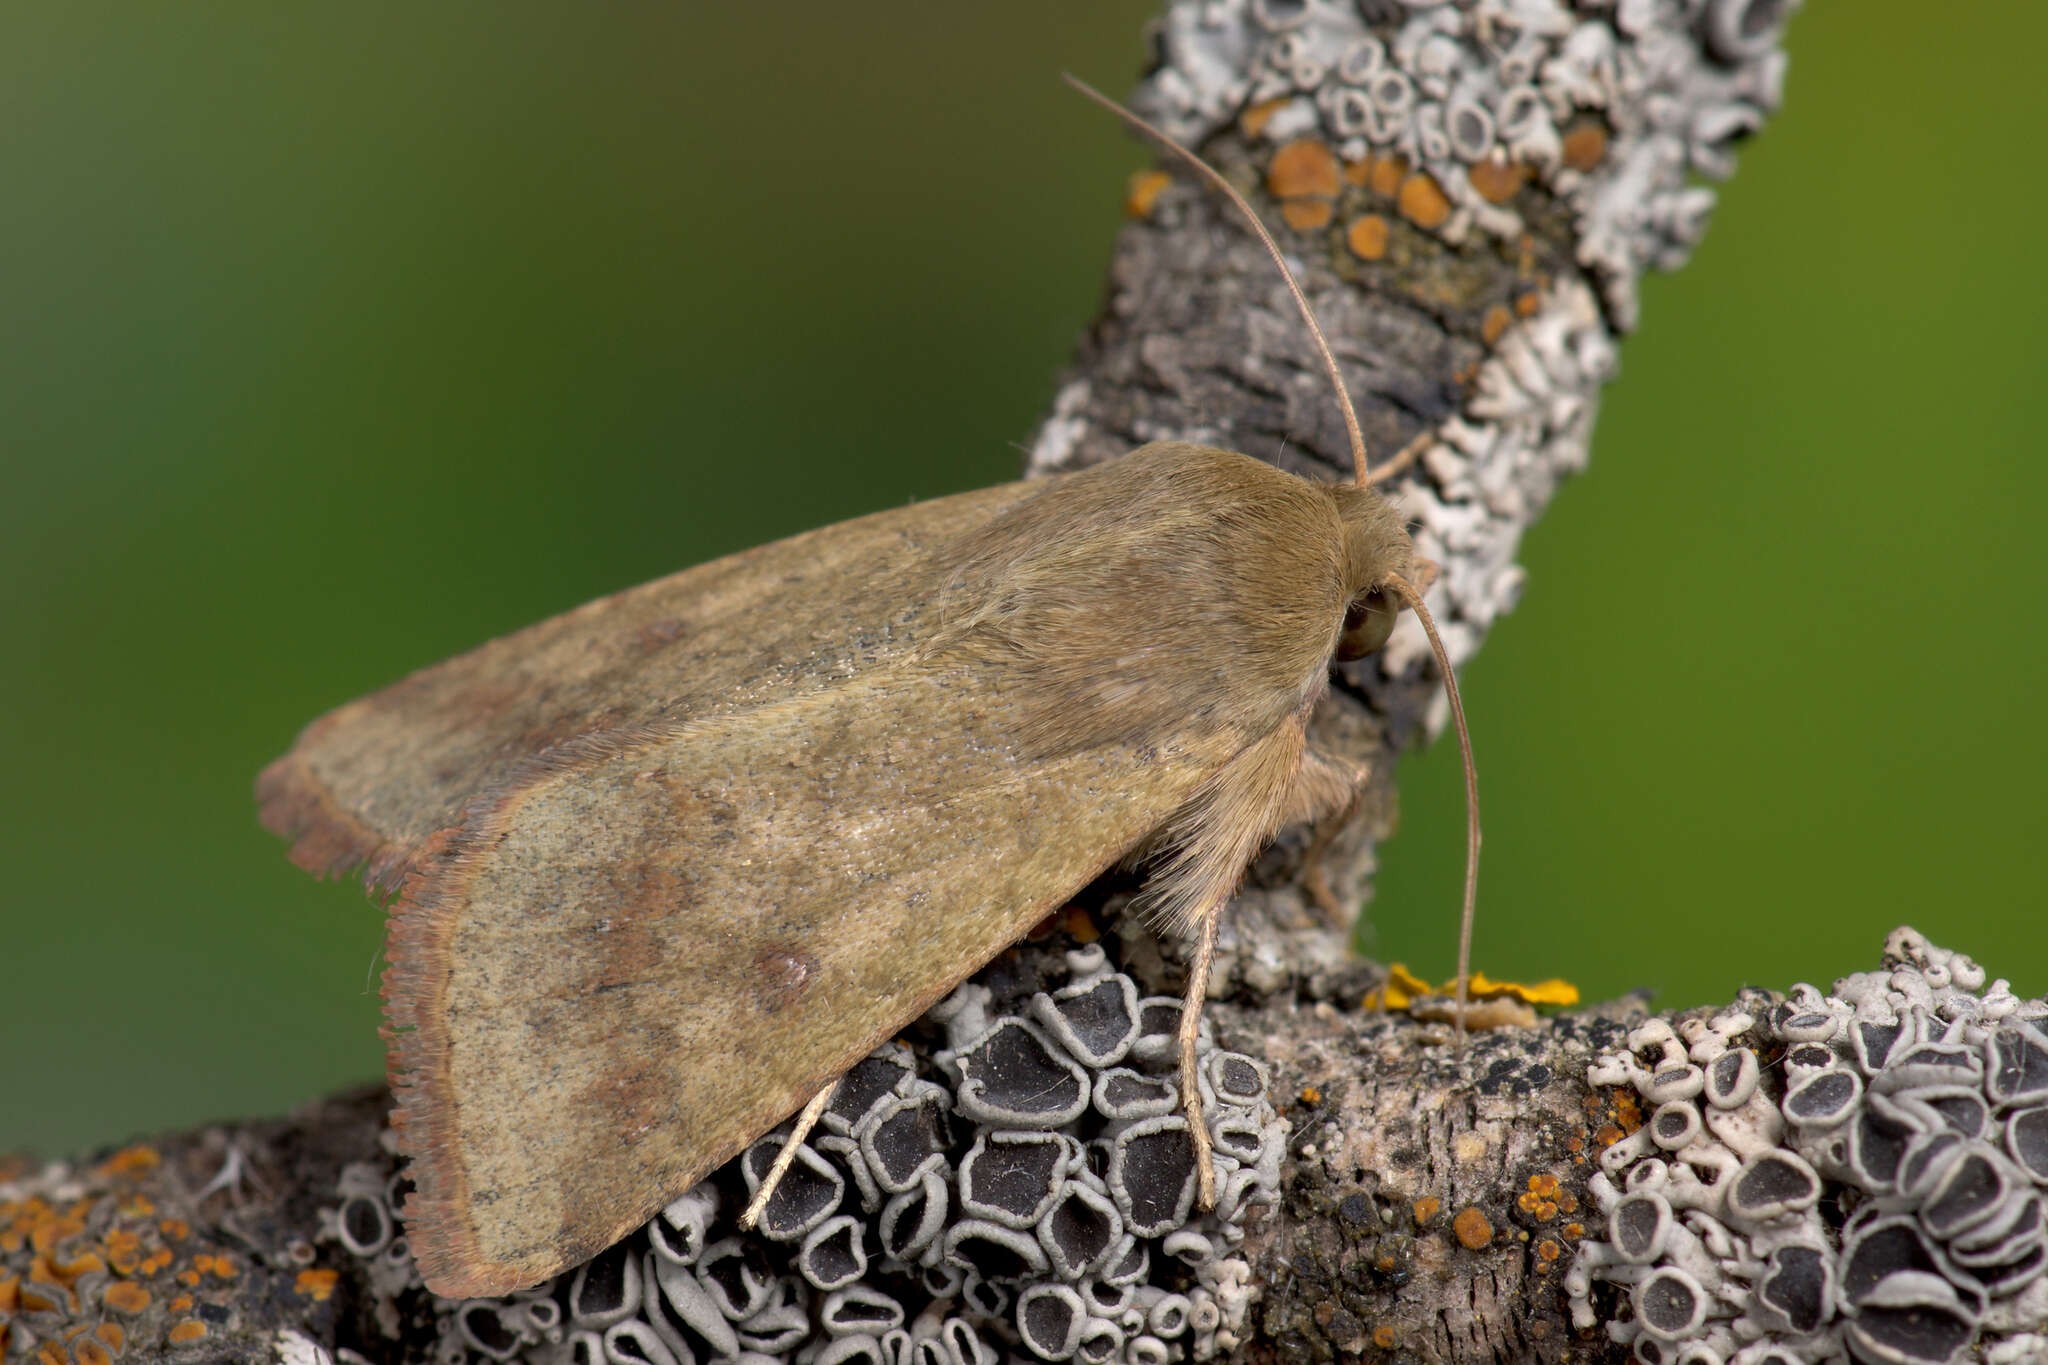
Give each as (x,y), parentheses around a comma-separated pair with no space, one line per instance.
(1190,1027)
(1326,794)
(805,1121)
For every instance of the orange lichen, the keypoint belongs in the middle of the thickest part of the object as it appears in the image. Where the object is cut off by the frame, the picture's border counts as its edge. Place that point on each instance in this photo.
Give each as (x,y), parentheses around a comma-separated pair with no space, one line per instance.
(1305,166)
(1493,325)
(1423,202)
(124,1250)
(1608,1135)
(1497,181)
(1573,1231)
(1143,192)
(191,1329)
(10,1294)
(177,1229)
(188,1278)
(1082,925)
(1472,1228)
(224,1268)
(1359,172)
(317,1284)
(1367,237)
(1567,1202)
(1527,302)
(52,1353)
(1383,1337)
(1426,1208)
(1252,122)
(137,1206)
(1387,174)
(91,1352)
(155,1261)
(113,1335)
(34,1301)
(1306,215)
(1311,1095)
(1548,1251)
(1385,1263)
(1585,144)
(182,1304)
(130,1161)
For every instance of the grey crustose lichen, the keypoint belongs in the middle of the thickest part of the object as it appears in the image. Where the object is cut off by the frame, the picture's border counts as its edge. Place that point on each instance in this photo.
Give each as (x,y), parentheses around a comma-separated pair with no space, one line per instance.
(1028,1193)
(1859,1173)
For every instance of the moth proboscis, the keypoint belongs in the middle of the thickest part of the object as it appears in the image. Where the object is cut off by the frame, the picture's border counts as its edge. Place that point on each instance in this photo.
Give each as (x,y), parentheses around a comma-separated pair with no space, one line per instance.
(666,865)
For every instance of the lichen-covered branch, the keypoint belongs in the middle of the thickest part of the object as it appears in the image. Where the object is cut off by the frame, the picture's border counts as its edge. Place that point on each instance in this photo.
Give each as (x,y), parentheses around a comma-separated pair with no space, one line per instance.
(1469,192)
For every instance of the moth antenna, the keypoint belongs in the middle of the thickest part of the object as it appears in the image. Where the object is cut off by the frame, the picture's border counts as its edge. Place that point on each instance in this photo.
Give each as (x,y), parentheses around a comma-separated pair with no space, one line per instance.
(1405,590)
(1215,177)
(805,1121)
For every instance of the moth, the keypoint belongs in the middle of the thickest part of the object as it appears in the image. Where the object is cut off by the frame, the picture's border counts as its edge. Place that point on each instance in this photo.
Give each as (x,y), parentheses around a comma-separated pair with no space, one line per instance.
(665,866)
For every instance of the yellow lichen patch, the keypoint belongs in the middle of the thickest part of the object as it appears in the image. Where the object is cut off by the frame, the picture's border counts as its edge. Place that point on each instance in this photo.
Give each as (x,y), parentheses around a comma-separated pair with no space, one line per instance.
(1367,237)
(1472,1228)
(113,1335)
(1311,1095)
(1306,215)
(1387,174)
(1143,192)
(1550,992)
(1492,327)
(1399,992)
(1305,166)
(130,1161)
(1497,181)
(1252,122)
(1585,144)
(138,1206)
(1423,202)
(1426,1208)
(190,1330)
(317,1284)
(91,1352)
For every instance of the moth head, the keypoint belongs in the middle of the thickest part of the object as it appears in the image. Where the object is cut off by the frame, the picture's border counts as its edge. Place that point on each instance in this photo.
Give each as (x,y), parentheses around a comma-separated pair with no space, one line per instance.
(1376,551)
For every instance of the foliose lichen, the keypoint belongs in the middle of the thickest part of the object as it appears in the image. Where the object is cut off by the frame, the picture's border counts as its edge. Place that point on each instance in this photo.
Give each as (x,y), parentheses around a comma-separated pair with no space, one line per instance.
(1853,1174)
(1028,1193)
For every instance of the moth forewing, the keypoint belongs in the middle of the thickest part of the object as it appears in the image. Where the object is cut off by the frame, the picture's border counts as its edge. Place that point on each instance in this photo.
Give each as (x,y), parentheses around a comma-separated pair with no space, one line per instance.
(630,951)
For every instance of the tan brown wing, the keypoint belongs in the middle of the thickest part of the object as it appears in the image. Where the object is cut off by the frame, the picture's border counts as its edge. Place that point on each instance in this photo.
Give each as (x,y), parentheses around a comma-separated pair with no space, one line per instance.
(650,949)
(366,784)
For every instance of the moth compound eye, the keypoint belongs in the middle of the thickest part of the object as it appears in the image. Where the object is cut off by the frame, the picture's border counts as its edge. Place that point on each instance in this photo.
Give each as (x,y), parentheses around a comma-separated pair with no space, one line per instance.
(1368,621)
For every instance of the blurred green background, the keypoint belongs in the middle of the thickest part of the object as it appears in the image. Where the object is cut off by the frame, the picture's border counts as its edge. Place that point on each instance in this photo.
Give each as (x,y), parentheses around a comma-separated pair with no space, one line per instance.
(336,339)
